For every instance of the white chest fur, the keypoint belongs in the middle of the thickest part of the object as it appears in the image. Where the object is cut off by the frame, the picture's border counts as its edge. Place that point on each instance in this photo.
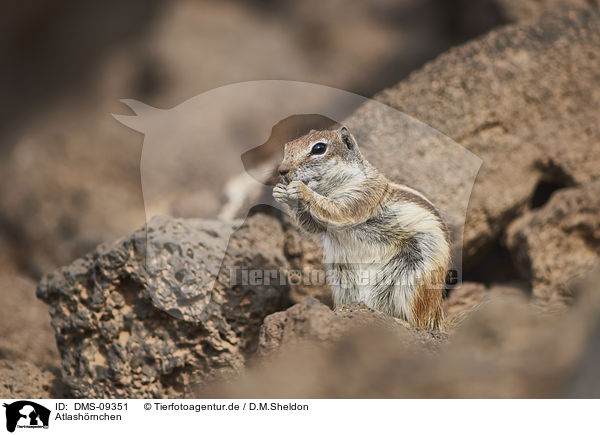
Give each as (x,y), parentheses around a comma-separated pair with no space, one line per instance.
(354,265)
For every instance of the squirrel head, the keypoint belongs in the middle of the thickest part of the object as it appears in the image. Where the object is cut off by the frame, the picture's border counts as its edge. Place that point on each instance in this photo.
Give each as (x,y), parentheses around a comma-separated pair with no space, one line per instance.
(322,158)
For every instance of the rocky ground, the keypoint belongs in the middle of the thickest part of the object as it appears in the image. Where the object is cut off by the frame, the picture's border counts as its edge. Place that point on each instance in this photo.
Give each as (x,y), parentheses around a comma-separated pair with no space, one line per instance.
(524,98)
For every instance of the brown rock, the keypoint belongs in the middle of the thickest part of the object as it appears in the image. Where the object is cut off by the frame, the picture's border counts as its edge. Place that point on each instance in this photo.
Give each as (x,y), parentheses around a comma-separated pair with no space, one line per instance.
(585,382)
(63,194)
(145,315)
(71,179)
(25,324)
(504,349)
(308,319)
(515,98)
(463,300)
(23,380)
(532,10)
(311,320)
(472,295)
(307,275)
(558,243)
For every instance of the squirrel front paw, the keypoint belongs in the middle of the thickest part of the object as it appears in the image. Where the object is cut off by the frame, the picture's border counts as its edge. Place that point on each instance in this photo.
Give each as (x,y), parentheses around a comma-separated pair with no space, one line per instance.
(295,190)
(289,193)
(280,193)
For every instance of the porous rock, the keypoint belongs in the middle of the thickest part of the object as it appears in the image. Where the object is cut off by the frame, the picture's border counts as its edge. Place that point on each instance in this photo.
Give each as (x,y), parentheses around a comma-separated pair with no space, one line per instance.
(311,320)
(513,98)
(470,296)
(306,276)
(558,243)
(145,315)
(504,349)
(516,98)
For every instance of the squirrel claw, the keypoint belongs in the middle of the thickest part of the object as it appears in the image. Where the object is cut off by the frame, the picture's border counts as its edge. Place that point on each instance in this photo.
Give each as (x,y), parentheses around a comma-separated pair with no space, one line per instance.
(294,190)
(280,193)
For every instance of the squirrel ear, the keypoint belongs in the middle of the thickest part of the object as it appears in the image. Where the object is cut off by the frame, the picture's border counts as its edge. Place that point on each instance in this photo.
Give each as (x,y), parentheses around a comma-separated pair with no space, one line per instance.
(347,137)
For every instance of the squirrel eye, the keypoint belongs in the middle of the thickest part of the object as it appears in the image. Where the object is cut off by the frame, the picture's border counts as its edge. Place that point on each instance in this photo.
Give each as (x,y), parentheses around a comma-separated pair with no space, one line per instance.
(318,148)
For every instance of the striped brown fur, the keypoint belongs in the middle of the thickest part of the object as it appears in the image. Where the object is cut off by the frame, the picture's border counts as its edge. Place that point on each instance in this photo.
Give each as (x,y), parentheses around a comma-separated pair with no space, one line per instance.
(371,226)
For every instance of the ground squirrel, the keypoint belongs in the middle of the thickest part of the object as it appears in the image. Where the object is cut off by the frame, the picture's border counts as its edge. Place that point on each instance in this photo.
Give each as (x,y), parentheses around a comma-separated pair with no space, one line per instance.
(384,243)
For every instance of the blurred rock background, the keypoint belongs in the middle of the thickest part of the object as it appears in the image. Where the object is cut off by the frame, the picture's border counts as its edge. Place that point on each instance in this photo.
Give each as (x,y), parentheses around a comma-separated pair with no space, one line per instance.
(69,172)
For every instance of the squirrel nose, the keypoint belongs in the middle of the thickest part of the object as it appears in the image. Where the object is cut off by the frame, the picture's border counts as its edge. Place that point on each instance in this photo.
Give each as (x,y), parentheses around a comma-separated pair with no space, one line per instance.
(283,171)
